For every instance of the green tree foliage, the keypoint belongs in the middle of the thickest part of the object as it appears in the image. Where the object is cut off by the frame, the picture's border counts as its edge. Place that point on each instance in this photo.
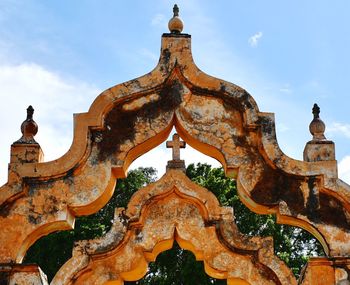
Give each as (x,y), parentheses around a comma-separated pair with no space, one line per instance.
(176,266)
(293,245)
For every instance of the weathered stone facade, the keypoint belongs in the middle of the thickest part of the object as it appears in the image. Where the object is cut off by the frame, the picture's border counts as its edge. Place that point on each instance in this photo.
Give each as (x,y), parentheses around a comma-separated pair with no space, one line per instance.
(215,117)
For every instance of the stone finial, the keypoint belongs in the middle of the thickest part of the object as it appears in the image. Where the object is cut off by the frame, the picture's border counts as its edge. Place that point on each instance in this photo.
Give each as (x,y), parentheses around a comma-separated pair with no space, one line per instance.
(175,24)
(26,149)
(319,148)
(317,126)
(29,128)
(176,10)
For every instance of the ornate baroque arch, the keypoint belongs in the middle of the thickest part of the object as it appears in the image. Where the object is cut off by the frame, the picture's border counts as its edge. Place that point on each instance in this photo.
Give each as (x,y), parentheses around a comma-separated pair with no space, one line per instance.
(174,208)
(216,117)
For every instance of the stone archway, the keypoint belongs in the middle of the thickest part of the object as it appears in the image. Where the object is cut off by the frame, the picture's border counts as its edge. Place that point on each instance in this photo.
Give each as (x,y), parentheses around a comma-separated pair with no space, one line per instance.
(174,208)
(217,118)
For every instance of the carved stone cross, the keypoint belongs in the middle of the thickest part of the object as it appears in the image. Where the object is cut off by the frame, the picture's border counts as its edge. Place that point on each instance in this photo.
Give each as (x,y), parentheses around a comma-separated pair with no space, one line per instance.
(176,144)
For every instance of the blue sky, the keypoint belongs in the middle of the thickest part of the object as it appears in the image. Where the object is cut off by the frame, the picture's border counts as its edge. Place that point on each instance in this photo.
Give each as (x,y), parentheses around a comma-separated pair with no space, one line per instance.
(59,55)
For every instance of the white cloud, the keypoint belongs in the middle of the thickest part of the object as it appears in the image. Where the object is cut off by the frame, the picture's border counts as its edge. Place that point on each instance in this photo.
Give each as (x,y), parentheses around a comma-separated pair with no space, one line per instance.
(254,39)
(280,127)
(339,128)
(344,169)
(158,20)
(54,99)
(286,89)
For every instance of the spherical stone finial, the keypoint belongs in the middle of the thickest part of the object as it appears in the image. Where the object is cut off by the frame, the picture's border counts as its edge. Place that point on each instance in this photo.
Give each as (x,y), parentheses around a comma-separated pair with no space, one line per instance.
(317,127)
(29,128)
(175,24)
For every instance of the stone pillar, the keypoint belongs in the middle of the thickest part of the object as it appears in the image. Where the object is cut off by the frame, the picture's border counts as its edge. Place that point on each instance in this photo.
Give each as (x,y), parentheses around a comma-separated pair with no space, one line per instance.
(26,149)
(326,271)
(319,148)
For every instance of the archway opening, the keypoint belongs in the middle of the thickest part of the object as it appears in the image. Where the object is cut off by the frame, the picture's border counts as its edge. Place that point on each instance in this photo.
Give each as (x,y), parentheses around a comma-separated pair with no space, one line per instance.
(176,266)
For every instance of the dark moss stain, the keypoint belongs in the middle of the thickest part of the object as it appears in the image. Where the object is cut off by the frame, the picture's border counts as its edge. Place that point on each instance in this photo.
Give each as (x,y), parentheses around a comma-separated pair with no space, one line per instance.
(245,98)
(222,87)
(242,142)
(138,235)
(166,55)
(52,202)
(313,202)
(120,124)
(165,61)
(275,186)
(229,102)
(35,185)
(69,174)
(292,194)
(239,99)
(5,209)
(34,219)
(49,208)
(33,154)
(331,212)
(4,277)
(133,84)
(69,180)
(267,125)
